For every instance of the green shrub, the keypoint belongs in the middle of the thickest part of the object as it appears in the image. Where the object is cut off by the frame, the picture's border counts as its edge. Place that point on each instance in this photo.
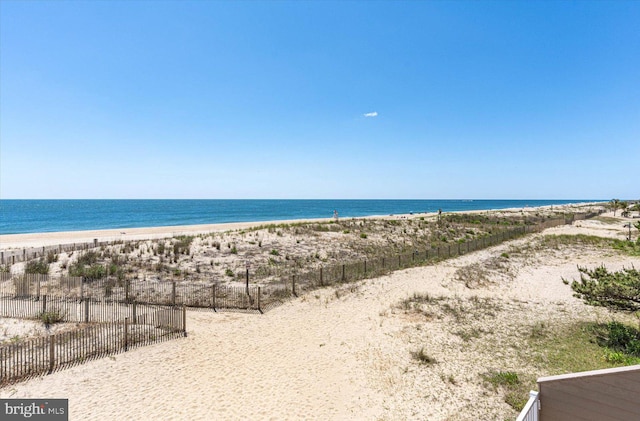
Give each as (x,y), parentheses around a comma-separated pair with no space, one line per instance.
(37,266)
(615,357)
(623,338)
(95,271)
(51,317)
(87,258)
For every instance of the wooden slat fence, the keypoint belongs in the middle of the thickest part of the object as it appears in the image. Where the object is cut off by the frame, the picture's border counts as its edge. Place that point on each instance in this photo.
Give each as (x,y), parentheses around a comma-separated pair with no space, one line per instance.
(22,255)
(235,297)
(38,356)
(63,309)
(33,284)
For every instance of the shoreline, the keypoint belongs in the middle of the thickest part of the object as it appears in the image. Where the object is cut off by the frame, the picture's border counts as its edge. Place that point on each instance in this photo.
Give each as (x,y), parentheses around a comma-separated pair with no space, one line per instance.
(30,240)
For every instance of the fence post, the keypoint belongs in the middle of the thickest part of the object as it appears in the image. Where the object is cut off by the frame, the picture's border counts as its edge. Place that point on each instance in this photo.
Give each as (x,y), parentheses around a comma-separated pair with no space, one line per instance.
(247,281)
(184,320)
(293,285)
(126,334)
(134,310)
(2,257)
(82,289)
(383,263)
(86,311)
(38,287)
(213,297)
(320,275)
(173,293)
(44,303)
(399,262)
(343,277)
(365,267)
(52,351)
(127,283)
(259,309)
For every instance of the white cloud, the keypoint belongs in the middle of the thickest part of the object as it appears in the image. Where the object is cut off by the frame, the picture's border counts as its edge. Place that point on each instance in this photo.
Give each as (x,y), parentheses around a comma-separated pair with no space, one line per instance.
(373,114)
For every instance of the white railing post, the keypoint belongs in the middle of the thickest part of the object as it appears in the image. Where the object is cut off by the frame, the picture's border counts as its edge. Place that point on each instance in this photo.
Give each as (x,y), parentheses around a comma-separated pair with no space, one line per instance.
(530,410)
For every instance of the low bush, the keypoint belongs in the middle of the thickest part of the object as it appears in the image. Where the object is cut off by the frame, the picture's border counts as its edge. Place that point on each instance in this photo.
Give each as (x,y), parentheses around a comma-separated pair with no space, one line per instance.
(37,266)
(423,358)
(51,317)
(623,338)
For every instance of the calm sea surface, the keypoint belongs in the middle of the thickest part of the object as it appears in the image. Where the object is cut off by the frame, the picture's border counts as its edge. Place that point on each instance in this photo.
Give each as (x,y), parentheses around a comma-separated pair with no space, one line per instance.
(27,216)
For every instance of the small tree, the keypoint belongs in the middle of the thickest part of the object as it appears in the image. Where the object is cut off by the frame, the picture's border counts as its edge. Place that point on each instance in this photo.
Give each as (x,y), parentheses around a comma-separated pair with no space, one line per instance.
(614,290)
(624,206)
(614,204)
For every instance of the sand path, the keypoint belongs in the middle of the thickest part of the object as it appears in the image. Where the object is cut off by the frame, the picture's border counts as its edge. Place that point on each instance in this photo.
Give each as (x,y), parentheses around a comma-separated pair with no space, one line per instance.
(307,359)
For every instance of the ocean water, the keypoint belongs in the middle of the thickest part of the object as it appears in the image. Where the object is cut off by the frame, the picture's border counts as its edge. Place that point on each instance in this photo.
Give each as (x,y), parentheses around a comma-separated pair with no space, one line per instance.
(29,216)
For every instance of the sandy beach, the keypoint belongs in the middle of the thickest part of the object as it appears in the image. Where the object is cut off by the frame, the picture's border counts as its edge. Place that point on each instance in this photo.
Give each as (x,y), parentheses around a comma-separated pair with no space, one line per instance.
(345,352)
(457,182)
(11,241)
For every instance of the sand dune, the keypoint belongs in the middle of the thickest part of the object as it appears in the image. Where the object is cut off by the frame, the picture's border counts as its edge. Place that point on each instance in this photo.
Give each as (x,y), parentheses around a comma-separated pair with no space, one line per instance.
(339,353)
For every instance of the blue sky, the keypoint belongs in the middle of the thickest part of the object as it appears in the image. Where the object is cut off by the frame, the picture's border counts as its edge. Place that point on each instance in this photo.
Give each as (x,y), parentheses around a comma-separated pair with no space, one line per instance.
(327,99)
